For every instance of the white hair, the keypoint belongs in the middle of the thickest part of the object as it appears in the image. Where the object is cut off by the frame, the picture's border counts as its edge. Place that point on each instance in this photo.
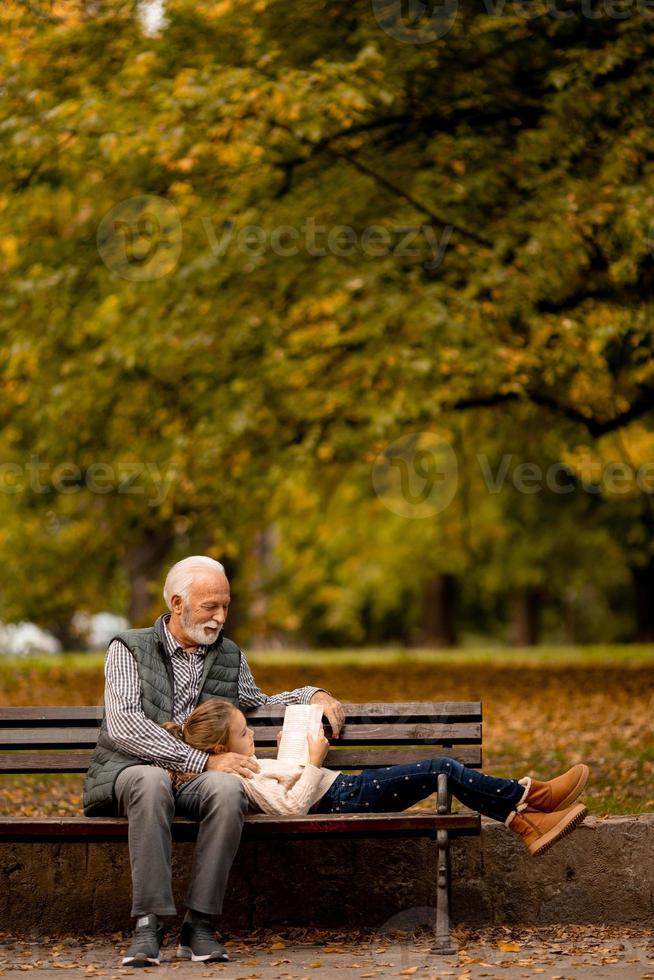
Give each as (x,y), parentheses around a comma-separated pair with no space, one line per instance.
(180,577)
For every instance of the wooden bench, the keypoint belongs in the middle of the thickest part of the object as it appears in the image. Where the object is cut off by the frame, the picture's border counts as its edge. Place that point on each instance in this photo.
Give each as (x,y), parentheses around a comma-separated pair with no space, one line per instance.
(60,740)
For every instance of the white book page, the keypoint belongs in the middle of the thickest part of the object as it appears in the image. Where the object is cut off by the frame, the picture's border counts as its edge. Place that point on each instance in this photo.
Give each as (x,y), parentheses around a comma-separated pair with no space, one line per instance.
(300,720)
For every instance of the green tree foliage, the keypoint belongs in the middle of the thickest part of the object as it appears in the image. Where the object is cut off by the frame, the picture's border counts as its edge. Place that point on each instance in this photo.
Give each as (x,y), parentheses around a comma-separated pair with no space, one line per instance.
(226,333)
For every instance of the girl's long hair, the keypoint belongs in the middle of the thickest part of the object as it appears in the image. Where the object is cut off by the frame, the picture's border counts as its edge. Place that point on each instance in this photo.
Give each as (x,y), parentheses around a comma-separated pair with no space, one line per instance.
(206,725)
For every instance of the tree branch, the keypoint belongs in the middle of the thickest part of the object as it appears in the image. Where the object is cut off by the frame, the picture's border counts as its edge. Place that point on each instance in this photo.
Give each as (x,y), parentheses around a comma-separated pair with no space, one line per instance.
(384,182)
(399,192)
(640,406)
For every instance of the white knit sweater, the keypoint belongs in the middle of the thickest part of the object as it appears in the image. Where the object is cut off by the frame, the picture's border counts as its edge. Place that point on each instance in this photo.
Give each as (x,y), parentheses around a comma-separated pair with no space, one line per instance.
(283,789)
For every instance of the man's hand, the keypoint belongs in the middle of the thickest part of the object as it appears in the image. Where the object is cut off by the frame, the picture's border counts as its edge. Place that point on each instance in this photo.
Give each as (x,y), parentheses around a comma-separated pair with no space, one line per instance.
(232,762)
(332,708)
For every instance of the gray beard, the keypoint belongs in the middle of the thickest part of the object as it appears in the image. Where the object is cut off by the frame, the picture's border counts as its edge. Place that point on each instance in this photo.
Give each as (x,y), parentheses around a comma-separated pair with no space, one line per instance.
(195,631)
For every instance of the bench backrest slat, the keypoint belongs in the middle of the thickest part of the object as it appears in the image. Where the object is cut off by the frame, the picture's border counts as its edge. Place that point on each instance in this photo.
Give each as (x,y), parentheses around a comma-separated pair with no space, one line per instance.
(421,733)
(34,739)
(434,711)
(49,717)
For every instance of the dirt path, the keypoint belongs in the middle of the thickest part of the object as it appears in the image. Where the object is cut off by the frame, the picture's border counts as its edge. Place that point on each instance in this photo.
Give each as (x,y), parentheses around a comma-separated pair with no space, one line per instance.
(554,953)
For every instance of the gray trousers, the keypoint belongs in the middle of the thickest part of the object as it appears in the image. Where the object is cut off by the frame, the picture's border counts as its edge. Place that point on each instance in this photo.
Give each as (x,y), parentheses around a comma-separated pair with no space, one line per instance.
(216,799)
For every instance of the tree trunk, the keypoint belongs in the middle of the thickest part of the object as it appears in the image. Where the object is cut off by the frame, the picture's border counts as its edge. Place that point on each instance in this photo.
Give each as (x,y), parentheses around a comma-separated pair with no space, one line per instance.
(143,563)
(643,580)
(235,617)
(525,616)
(570,616)
(261,636)
(438,611)
(69,639)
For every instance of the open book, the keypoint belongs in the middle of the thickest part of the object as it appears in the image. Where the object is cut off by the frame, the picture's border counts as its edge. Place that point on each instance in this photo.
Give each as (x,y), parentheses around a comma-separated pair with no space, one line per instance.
(300,720)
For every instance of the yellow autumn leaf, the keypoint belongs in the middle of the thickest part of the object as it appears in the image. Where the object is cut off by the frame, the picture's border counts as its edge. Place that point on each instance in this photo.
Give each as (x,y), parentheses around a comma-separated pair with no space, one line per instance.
(8,251)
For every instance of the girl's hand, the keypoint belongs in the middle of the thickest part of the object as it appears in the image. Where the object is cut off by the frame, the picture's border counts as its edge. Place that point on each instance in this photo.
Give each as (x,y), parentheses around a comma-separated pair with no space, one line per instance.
(318,748)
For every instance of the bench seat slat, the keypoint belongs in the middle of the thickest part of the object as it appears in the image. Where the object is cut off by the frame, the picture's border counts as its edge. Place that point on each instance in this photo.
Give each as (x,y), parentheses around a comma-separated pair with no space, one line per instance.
(15,763)
(103,829)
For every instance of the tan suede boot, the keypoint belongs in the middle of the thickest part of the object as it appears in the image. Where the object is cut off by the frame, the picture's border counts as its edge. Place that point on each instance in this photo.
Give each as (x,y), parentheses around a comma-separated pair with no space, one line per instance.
(540,830)
(558,793)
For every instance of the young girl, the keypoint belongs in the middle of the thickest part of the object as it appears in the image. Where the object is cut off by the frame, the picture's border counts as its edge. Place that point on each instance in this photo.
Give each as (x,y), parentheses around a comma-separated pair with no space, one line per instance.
(540,812)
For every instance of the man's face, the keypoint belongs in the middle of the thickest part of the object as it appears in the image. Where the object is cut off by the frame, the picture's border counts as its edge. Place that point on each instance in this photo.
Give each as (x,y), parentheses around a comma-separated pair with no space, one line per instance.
(204,613)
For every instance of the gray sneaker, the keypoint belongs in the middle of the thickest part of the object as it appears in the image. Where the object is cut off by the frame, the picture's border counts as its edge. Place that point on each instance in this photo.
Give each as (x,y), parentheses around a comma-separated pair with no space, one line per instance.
(197,942)
(148,937)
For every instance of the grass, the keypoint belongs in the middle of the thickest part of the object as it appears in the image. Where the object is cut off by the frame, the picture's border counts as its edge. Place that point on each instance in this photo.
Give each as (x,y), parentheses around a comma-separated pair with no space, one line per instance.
(545,656)
(539,656)
(544,708)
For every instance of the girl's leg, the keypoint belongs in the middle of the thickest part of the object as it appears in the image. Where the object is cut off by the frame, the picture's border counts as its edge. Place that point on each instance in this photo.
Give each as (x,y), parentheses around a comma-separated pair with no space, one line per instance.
(395,788)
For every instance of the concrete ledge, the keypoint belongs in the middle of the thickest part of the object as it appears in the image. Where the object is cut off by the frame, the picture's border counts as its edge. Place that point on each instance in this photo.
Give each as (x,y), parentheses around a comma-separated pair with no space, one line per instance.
(602,873)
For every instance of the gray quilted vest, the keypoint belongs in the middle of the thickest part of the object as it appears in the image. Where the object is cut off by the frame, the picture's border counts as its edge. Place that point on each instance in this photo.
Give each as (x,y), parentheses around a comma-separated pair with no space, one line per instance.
(148,647)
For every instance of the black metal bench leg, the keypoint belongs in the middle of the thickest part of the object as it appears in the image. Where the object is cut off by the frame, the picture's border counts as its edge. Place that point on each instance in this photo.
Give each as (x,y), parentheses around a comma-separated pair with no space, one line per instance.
(443,944)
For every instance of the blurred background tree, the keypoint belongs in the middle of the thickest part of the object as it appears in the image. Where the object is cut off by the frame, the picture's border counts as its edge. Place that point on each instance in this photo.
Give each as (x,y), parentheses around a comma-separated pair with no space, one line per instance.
(236,268)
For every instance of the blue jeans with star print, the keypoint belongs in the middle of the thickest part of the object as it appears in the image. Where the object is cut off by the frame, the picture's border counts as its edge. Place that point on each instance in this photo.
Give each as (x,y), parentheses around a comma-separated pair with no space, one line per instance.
(395,788)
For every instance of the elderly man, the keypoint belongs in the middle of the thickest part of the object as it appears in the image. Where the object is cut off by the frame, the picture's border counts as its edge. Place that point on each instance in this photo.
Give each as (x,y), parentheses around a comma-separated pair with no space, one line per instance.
(154,675)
